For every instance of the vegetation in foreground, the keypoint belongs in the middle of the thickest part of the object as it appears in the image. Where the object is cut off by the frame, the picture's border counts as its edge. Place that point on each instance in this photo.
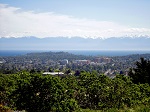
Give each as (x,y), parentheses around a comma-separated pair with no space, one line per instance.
(86,92)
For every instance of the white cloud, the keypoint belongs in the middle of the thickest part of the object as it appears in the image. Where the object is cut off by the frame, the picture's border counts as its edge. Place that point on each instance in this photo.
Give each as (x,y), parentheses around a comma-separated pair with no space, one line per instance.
(17,23)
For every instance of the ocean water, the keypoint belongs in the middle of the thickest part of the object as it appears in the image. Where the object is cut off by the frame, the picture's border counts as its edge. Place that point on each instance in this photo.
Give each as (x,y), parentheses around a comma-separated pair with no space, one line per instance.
(108,53)
(77,52)
(14,52)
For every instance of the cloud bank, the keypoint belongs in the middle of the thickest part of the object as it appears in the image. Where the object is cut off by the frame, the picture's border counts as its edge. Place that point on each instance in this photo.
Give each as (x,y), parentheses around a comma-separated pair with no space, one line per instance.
(14,22)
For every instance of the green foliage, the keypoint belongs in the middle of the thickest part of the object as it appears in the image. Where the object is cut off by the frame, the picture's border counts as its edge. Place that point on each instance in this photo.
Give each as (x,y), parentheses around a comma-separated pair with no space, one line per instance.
(7,86)
(34,92)
(141,74)
(41,93)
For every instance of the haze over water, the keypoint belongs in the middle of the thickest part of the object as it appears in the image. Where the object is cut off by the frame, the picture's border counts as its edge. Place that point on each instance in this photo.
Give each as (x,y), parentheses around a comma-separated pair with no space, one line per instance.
(76,52)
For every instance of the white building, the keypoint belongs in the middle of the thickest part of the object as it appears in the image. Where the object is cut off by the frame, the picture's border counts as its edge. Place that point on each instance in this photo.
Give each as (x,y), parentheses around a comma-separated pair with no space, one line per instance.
(53,73)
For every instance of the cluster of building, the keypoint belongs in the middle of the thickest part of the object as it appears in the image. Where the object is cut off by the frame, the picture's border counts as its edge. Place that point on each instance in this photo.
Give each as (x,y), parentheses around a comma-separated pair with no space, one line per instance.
(82,62)
(17,64)
(102,60)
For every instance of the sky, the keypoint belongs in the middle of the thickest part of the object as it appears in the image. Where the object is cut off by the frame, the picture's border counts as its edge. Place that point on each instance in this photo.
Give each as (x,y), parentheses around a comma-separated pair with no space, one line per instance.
(75,18)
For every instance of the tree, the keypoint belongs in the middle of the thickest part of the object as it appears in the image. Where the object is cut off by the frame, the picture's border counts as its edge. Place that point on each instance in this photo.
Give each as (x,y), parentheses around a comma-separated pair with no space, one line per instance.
(42,94)
(7,86)
(141,74)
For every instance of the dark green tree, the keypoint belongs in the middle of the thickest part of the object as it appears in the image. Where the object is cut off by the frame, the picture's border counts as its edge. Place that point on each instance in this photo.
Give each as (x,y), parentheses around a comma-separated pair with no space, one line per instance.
(141,74)
(42,94)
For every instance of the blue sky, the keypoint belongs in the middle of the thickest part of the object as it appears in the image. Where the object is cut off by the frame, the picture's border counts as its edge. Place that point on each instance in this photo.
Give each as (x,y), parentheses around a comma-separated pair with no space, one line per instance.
(70,18)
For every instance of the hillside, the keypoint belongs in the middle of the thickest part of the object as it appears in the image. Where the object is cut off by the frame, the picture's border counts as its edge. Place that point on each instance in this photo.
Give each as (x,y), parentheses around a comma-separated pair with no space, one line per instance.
(44,61)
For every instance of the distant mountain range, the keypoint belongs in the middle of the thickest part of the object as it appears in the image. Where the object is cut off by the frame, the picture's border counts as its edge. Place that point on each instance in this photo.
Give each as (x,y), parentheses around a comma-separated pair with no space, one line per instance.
(74,43)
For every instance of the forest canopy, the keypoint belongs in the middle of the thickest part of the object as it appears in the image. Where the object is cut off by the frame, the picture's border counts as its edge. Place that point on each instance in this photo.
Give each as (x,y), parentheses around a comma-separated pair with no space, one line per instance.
(35,92)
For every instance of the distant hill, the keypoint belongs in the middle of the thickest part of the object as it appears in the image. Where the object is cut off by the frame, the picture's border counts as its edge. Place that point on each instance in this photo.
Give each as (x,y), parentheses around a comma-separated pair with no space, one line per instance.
(74,43)
(56,56)
(70,56)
